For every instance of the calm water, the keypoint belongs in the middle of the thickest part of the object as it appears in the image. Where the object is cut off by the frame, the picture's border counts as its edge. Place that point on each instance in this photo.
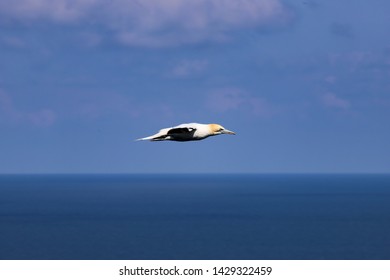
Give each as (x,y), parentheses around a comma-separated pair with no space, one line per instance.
(195,217)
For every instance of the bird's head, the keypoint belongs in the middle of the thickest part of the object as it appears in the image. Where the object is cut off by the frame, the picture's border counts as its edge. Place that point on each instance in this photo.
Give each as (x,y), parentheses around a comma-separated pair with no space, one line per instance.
(217,129)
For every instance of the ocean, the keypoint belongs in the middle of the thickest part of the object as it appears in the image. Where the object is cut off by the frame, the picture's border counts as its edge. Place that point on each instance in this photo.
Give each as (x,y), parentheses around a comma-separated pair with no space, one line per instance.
(275,217)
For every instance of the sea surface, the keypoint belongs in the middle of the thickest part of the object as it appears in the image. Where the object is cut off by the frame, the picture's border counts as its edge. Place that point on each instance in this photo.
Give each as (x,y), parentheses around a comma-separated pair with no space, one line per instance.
(195,217)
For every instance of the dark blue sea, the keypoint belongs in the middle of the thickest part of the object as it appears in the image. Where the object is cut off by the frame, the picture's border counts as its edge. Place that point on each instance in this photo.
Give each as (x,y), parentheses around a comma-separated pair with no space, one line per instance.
(195,217)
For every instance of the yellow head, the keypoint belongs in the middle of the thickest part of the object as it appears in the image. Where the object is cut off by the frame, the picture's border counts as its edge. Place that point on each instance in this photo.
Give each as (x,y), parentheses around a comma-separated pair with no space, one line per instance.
(217,129)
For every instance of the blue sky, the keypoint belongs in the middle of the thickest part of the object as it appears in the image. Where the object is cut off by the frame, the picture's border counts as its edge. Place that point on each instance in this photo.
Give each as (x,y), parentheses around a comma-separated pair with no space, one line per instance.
(304,84)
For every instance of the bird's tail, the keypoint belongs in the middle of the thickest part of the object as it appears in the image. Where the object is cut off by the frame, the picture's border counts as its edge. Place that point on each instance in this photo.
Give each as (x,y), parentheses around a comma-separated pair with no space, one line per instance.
(161,135)
(156,137)
(145,138)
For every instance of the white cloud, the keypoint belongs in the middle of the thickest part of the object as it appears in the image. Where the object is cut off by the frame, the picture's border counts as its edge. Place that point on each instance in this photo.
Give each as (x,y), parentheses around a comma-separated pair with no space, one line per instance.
(261,107)
(90,39)
(13,42)
(155,23)
(230,99)
(7,109)
(330,79)
(189,67)
(58,10)
(227,99)
(331,100)
(98,105)
(355,59)
(9,113)
(44,117)
(85,106)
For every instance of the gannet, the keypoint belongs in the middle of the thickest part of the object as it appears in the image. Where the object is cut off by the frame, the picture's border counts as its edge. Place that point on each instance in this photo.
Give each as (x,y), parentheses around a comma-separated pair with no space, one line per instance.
(188,132)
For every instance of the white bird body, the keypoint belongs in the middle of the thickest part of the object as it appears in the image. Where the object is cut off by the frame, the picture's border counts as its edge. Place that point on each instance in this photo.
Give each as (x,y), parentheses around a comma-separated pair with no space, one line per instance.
(188,132)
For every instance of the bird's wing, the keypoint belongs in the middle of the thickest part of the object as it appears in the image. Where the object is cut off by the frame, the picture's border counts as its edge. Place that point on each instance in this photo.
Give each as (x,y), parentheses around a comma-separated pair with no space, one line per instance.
(181,130)
(181,133)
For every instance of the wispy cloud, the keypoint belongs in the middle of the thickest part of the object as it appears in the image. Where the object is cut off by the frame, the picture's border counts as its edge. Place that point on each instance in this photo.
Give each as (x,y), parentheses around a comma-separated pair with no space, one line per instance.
(11,114)
(7,109)
(311,4)
(59,10)
(13,42)
(95,106)
(82,106)
(231,99)
(355,59)
(261,107)
(187,68)
(155,23)
(330,79)
(227,99)
(341,30)
(370,68)
(330,99)
(43,118)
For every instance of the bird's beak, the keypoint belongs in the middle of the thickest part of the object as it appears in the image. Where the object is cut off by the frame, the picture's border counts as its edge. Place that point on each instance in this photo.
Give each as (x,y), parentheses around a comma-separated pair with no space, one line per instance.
(225,131)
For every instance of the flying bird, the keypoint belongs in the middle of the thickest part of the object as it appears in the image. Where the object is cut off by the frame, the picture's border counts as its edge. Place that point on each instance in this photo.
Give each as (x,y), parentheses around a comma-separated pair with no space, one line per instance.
(188,132)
